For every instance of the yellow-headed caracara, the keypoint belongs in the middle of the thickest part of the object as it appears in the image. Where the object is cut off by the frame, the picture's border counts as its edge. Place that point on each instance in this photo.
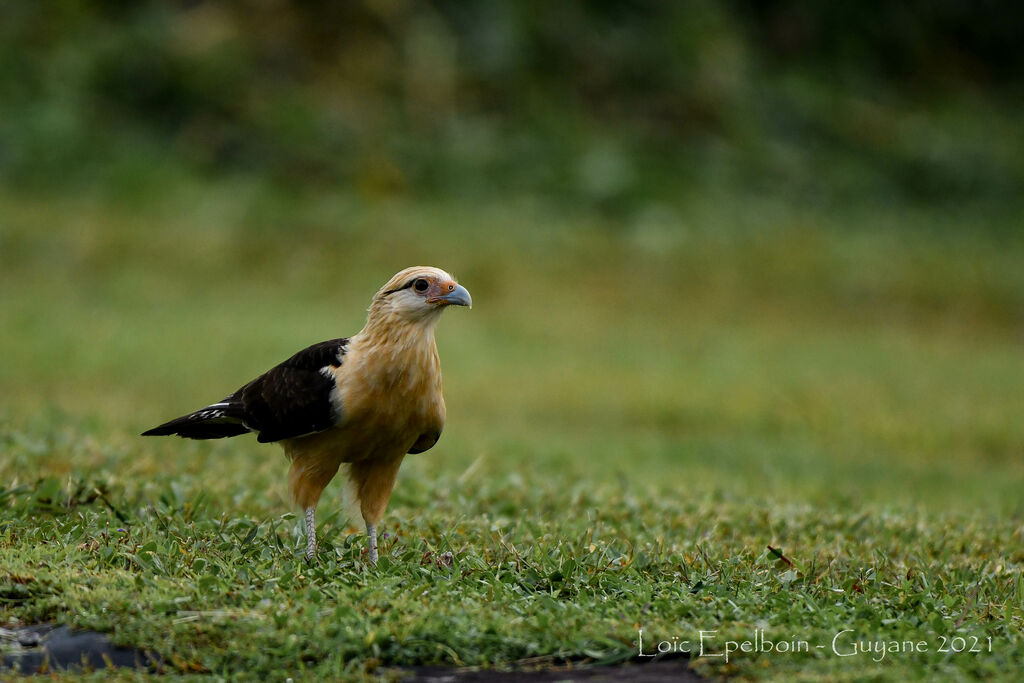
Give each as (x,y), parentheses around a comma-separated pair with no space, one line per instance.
(365,401)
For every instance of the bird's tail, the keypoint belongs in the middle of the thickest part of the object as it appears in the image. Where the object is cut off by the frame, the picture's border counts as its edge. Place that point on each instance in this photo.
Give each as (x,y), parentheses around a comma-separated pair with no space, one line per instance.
(215,421)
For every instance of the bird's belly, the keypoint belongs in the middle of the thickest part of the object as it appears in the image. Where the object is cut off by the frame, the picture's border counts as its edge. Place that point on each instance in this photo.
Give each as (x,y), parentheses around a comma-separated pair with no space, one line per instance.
(344,444)
(382,432)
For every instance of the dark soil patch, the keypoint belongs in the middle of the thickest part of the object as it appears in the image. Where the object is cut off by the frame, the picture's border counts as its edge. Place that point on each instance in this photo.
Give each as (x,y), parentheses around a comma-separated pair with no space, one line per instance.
(674,670)
(38,649)
(45,648)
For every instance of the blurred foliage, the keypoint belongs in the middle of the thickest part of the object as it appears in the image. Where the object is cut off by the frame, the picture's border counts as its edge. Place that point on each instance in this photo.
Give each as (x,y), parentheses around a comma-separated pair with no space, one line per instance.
(600,105)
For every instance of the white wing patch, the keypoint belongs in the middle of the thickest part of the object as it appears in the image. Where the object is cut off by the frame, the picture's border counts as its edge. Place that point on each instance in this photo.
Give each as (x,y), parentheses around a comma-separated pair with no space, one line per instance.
(213,412)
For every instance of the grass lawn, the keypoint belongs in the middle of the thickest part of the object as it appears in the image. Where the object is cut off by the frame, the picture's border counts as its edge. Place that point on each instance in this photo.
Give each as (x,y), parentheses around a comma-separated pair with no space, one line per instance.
(637,410)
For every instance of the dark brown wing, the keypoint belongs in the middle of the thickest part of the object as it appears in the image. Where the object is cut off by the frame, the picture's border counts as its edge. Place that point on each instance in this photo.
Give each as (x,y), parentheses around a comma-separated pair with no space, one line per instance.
(289,400)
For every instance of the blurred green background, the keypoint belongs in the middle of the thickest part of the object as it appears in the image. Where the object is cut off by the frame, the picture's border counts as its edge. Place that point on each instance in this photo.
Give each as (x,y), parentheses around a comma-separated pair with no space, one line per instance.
(744,274)
(604,106)
(771,248)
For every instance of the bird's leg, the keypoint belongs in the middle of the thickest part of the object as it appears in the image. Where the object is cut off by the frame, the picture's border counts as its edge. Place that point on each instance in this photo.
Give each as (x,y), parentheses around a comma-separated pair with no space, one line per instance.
(309,474)
(371,535)
(373,481)
(310,532)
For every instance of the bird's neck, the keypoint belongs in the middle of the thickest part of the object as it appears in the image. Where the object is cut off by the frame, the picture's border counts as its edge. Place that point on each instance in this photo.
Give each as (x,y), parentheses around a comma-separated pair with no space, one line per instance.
(399,335)
(396,353)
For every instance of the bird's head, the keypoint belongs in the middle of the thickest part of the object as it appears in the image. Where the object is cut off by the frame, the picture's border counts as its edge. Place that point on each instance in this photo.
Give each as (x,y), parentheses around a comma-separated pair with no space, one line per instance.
(419,293)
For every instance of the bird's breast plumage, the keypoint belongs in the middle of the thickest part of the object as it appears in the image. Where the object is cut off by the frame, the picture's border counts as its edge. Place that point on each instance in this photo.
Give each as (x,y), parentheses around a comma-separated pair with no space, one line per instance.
(388,397)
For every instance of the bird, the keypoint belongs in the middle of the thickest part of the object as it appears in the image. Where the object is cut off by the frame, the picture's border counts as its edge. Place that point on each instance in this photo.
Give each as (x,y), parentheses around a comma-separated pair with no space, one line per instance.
(364,401)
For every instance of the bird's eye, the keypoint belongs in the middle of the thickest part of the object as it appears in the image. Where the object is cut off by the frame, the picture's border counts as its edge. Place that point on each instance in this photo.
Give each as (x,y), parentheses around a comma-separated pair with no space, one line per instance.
(421,285)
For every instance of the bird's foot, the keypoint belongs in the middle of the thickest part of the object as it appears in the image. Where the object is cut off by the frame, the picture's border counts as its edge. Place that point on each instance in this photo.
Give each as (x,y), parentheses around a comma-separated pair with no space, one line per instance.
(310,534)
(371,534)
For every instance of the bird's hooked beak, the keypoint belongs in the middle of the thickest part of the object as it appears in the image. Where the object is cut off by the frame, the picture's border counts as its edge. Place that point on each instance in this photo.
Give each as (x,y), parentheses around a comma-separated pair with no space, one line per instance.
(456,295)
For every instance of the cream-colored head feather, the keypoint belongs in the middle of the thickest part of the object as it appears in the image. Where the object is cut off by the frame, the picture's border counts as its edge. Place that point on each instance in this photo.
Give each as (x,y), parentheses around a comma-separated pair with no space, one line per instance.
(417,295)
